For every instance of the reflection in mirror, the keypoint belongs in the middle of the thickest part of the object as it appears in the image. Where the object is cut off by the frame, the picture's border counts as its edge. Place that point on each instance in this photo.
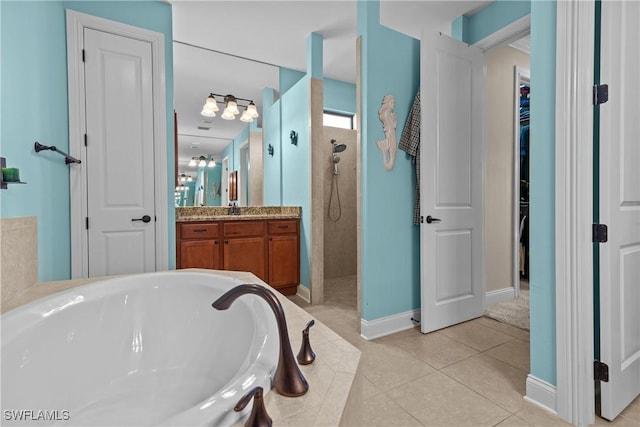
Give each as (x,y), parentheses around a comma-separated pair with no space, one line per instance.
(243,178)
(233,186)
(197,73)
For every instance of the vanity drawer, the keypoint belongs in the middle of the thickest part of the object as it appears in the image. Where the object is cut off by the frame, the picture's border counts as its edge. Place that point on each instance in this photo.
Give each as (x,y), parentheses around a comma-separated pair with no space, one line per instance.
(198,231)
(283,227)
(243,228)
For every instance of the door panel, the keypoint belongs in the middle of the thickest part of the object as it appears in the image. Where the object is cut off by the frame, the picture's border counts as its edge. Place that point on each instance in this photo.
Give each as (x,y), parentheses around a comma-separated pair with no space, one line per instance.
(452,270)
(246,254)
(120,154)
(620,207)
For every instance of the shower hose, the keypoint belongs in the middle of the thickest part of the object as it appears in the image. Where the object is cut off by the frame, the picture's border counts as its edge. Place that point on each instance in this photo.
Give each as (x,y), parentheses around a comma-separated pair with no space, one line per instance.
(334,182)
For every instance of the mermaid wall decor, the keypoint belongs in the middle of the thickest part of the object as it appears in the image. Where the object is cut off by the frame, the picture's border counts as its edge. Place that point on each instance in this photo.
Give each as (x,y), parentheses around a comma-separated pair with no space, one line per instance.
(388,146)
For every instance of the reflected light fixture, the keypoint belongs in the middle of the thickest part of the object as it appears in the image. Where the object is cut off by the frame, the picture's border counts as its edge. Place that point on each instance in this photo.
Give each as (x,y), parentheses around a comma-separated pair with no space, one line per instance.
(201,162)
(231,109)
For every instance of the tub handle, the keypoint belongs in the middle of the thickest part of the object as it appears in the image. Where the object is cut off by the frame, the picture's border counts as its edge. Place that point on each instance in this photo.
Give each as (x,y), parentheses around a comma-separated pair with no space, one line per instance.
(258,416)
(306,355)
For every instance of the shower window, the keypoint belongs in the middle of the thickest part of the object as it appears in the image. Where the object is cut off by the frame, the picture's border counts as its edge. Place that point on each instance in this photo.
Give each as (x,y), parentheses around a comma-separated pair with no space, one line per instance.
(338,120)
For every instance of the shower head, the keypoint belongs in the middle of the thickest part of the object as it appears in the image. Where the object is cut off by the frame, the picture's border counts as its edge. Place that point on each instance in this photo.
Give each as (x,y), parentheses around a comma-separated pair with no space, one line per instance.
(338,148)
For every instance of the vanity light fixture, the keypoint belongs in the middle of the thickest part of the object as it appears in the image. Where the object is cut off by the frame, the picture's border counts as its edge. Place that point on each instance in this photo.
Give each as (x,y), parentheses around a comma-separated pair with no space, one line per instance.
(231,109)
(185,178)
(201,162)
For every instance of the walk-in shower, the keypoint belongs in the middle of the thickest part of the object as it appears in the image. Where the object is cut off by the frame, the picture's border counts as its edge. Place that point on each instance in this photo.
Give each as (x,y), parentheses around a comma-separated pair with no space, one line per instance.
(337,148)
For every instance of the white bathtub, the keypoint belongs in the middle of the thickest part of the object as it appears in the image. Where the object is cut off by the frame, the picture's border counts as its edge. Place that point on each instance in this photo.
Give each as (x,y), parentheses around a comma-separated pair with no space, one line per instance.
(137,350)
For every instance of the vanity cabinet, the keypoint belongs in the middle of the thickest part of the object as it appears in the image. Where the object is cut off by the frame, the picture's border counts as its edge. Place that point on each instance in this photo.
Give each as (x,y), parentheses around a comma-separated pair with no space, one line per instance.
(244,247)
(199,246)
(284,258)
(268,248)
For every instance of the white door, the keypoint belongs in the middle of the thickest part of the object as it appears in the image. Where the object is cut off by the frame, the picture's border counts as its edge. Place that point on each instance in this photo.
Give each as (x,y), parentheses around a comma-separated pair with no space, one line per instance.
(620,206)
(451,236)
(120,156)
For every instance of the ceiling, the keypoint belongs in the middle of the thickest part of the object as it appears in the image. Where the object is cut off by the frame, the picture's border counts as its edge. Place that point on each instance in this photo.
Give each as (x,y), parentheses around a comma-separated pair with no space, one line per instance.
(235,47)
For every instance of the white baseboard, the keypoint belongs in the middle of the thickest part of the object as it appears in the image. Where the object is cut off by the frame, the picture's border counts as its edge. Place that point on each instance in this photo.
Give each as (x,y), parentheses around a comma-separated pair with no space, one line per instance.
(372,329)
(304,293)
(500,295)
(541,393)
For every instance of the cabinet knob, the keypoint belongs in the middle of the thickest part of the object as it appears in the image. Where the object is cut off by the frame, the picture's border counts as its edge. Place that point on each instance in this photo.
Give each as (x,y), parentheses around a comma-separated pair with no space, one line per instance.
(226,242)
(216,242)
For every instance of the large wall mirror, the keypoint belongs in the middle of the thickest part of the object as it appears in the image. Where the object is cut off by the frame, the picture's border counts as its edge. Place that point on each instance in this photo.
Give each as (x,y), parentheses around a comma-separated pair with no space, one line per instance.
(210,149)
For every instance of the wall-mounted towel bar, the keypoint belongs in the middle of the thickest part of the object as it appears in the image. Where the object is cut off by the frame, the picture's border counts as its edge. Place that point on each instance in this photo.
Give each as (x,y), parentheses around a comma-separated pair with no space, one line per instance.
(67,158)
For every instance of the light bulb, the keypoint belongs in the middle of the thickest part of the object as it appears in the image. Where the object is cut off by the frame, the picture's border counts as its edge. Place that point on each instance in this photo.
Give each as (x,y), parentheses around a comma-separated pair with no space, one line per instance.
(228,115)
(206,112)
(189,179)
(211,103)
(203,162)
(212,163)
(252,110)
(232,106)
(183,177)
(193,162)
(246,117)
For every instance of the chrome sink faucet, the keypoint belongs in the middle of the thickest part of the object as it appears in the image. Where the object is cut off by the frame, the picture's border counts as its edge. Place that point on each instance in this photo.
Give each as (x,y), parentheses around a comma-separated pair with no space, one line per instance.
(288,380)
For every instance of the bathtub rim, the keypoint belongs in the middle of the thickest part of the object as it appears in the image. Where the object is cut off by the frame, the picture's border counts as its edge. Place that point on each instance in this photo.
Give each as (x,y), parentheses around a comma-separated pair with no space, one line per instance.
(23,317)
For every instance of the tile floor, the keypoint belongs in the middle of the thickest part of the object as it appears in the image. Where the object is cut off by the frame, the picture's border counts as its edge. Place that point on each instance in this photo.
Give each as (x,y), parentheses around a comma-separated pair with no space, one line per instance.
(472,374)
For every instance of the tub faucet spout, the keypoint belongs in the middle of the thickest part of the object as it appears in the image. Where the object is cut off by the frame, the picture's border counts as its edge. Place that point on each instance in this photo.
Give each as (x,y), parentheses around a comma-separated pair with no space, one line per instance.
(288,380)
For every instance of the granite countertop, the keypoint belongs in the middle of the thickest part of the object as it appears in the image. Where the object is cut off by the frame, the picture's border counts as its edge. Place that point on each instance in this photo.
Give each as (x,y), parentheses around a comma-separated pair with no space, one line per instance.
(331,376)
(218,213)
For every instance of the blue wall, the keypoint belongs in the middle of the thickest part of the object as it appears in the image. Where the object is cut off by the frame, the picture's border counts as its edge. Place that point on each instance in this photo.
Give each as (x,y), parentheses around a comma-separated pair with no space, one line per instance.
(542,191)
(296,164)
(338,96)
(271,136)
(390,240)
(489,20)
(34,70)
(542,163)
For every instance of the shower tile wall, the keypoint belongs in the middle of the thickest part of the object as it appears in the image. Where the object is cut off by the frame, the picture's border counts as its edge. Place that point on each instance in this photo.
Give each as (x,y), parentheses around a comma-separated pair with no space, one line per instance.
(18,256)
(340,238)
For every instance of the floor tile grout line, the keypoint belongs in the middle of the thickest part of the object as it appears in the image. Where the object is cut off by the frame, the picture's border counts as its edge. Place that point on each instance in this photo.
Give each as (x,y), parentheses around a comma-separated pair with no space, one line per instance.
(479,394)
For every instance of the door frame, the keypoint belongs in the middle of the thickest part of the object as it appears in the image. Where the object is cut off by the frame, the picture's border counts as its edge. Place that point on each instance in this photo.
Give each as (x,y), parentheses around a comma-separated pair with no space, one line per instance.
(573,396)
(224,182)
(575,389)
(243,175)
(76,22)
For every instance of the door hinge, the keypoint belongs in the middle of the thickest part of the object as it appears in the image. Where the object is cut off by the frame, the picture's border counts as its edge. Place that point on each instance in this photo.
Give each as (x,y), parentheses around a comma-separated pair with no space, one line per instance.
(600,94)
(599,233)
(85,139)
(82,55)
(600,371)
(86,222)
